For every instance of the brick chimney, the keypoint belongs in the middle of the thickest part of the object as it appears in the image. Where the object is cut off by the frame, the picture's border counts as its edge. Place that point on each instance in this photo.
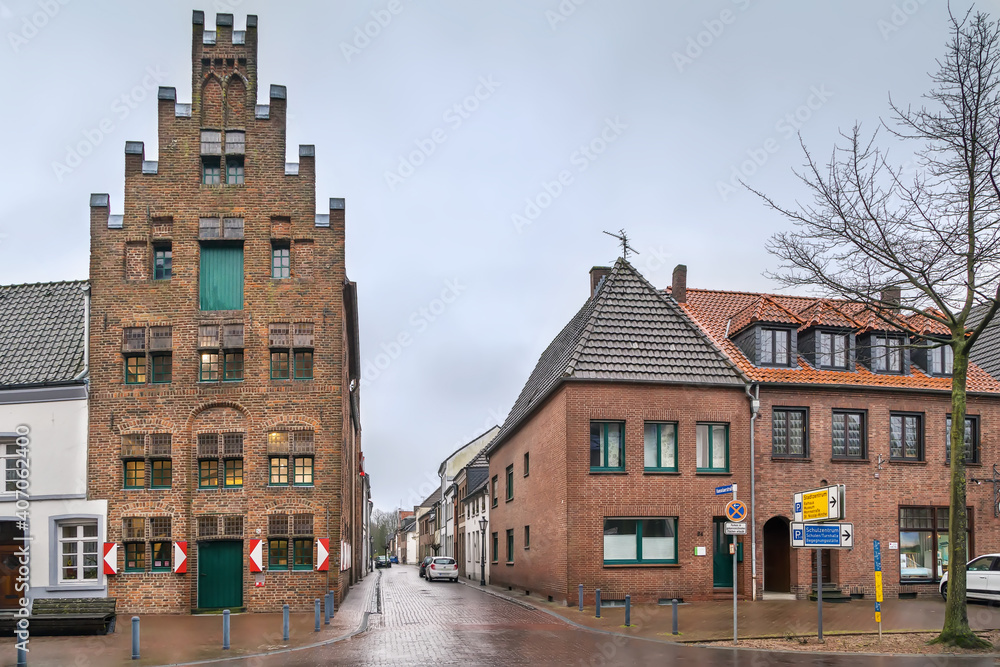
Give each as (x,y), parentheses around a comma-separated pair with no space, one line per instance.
(679,283)
(596,274)
(890,298)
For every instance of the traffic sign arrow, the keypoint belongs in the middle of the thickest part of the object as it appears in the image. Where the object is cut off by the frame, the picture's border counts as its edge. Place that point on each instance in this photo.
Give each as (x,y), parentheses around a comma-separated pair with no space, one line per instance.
(823,535)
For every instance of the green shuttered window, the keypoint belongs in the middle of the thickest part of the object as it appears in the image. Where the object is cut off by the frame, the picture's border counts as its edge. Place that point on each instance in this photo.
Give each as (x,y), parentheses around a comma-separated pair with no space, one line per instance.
(221,278)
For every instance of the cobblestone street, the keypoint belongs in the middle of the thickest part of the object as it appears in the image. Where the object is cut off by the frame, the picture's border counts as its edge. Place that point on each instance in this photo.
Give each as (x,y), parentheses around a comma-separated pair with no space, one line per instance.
(443,623)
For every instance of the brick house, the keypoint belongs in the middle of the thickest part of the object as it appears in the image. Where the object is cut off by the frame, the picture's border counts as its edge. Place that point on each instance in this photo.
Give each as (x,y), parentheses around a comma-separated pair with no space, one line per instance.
(224,413)
(847,399)
(604,473)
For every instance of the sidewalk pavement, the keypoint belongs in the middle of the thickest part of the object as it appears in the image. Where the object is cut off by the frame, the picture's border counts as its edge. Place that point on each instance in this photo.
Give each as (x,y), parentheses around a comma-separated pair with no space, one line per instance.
(712,621)
(183,639)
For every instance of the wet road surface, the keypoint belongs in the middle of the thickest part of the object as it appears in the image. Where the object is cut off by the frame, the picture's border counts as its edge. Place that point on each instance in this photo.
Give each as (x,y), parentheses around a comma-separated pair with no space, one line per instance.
(444,623)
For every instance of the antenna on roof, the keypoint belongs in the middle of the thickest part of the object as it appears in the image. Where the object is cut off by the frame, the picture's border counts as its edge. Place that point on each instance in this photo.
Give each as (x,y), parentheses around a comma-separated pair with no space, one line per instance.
(626,248)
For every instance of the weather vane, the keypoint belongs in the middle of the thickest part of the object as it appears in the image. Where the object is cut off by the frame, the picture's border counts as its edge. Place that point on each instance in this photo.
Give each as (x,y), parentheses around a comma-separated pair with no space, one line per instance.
(626,248)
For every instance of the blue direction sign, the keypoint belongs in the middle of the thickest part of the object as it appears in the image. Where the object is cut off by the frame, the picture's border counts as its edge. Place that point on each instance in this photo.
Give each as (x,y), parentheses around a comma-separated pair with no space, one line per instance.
(823,535)
(723,490)
(736,511)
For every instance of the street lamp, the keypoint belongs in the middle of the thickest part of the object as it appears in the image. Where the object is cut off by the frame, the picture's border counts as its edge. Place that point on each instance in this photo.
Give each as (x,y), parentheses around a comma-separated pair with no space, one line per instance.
(482,539)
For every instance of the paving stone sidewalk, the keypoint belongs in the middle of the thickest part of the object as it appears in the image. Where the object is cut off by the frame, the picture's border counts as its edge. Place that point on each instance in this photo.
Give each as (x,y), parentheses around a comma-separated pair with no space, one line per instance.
(183,639)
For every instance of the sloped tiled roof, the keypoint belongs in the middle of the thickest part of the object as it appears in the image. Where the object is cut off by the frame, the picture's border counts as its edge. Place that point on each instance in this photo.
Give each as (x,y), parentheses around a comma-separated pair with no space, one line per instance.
(762,309)
(823,312)
(41,333)
(431,499)
(628,331)
(712,309)
(476,478)
(986,350)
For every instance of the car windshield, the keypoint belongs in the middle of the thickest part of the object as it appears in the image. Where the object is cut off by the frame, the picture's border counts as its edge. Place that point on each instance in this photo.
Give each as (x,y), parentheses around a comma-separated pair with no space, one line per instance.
(444,561)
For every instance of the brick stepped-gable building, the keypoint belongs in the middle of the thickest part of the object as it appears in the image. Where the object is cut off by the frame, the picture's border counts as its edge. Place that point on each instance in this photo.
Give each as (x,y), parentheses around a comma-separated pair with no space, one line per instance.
(224,357)
(845,400)
(604,472)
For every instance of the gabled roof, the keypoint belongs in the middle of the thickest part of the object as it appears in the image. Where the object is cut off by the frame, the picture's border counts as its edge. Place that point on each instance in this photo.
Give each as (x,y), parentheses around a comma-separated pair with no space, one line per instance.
(762,309)
(628,331)
(431,499)
(42,333)
(823,312)
(477,477)
(409,524)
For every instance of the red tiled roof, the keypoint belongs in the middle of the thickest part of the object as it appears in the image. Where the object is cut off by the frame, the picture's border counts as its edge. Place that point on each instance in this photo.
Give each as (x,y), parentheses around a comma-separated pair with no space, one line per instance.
(762,309)
(713,309)
(824,312)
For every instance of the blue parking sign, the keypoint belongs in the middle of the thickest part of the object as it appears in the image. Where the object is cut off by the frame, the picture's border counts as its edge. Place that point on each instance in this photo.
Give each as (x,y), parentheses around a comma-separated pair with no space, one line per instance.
(797,534)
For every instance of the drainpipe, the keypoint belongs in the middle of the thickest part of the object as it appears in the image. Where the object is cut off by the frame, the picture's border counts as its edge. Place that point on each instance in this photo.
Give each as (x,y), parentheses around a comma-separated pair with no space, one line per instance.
(86,333)
(754,409)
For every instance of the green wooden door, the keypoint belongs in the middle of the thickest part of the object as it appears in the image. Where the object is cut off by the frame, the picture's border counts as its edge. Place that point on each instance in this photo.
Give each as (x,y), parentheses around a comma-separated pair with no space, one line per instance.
(220,574)
(221,277)
(722,562)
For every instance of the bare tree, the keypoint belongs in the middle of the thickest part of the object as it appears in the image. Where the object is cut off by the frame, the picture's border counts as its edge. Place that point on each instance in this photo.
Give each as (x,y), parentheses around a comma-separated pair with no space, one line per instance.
(874,227)
(384,527)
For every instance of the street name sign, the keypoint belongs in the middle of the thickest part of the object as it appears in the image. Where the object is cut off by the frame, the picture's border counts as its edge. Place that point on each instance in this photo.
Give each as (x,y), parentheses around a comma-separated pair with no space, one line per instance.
(723,490)
(823,535)
(824,504)
(736,528)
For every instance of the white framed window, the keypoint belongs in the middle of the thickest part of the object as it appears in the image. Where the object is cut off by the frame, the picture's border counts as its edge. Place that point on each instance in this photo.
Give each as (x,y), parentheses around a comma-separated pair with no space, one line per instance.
(78,552)
(10,453)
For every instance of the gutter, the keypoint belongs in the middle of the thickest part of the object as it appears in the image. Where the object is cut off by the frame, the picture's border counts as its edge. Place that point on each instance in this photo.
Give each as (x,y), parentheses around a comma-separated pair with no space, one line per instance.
(86,332)
(754,409)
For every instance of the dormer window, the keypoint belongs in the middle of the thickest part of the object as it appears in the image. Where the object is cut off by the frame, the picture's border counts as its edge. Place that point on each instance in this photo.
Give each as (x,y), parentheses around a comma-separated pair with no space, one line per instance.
(887,354)
(775,347)
(940,360)
(832,350)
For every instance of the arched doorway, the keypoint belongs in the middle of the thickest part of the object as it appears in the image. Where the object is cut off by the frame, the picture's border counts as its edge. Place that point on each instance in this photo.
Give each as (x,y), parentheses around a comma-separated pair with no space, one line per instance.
(777,556)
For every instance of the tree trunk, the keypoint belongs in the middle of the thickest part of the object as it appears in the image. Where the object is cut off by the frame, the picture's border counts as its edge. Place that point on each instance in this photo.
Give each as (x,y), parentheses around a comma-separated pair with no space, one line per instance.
(956,630)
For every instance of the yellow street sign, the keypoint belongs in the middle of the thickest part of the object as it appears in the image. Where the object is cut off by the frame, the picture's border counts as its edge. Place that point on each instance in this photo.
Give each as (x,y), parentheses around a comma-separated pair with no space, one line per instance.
(878,586)
(815,505)
(878,617)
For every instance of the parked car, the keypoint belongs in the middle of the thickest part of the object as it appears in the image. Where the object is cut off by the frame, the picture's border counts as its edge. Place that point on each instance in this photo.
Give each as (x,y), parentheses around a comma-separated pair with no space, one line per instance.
(382,561)
(982,579)
(442,567)
(423,565)
(394,559)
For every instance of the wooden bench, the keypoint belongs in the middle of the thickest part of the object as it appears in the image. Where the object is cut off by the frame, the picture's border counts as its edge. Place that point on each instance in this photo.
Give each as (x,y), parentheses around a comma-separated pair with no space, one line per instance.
(66,616)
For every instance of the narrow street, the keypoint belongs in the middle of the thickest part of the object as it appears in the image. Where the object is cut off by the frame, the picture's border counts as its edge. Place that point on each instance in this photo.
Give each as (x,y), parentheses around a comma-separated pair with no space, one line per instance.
(445,623)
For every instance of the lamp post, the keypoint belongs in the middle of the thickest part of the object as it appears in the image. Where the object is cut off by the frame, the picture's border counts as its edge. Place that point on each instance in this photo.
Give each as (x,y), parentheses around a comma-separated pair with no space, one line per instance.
(482,539)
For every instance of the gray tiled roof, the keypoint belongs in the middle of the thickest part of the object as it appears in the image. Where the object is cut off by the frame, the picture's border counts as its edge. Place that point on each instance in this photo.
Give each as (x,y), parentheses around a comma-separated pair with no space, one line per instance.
(476,477)
(41,333)
(986,350)
(628,331)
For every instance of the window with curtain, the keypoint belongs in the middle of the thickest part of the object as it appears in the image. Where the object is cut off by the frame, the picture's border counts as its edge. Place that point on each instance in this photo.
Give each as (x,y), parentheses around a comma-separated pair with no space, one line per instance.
(923,543)
(660,446)
(775,347)
(712,448)
(833,349)
(607,446)
(640,540)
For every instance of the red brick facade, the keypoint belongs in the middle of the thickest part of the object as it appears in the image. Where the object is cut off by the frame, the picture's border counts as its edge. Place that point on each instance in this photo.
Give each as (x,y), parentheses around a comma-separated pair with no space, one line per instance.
(163,205)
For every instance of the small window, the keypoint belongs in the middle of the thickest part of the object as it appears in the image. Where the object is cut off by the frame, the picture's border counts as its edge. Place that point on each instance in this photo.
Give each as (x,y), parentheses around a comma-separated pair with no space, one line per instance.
(209,367)
(211,142)
(971,440)
(135,474)
(527,537)
(510,482)
(493,485)
(510,546)
(233,366)
(526,467)
(303,365)
(232,228)
(849,435)
(277,554)
(162,476)
(211,171)
(281,263)
(234,170)
(887,354)
(162,553)
(135,370)
(208,474)
(495,552)
(303,470)
(941,360)
(279,366)
(607,446)
(712,448)
(833,350)
(208,335)
(303,555)
(234,473)
(775,347)
(163,368)
(906,437)
(135,556)
(789,430)
(78,552)
(279,471)
(162,261)
(660,446)
(235,142)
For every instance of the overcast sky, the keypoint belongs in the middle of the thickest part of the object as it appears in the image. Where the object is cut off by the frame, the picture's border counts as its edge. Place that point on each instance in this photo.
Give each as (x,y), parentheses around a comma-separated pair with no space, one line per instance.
(471,228)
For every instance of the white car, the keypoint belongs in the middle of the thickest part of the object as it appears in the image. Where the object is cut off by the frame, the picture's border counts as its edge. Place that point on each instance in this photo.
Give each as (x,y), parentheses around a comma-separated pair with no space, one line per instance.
(982,578)
(442,567)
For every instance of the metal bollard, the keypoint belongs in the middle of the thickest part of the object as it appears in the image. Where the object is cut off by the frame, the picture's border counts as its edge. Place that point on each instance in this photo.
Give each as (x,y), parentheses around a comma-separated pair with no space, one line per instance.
(22,655)
(597,602)
(628,610)
(579,595)
(673,603)
(225,629)
(135,637)
(333,604)
(316,629)
(326,609)
(284,622)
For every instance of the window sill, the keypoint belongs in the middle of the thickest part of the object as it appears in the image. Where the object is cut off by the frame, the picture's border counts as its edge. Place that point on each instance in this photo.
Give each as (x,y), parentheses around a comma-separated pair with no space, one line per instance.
(908,462)
(646,565)
(509,564)
(508,500)
(74,587)
(802,459)
(947,464)
(608,471)
(848,460)
(660,471)
(713,472)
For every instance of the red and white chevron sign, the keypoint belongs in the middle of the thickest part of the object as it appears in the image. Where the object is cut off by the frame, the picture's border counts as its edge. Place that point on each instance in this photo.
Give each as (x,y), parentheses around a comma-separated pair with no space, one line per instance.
(110,558)
(180,557)
(322,554)
(256,556)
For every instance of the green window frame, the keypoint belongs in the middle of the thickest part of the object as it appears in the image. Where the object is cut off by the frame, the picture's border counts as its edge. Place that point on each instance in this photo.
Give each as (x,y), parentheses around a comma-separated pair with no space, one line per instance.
(211,170)
(135,370)
(302,554)
(234,170)
(303,365)
(303,471)
(493,486)
(279,471)
(161,474)
(135,474)
(712,455)
(510,482)
(640,540)
(135,556)
(208,474)
(162,552)
(496,548)
(607,446)
(232,366)
(510,546)
(162,368)
(163,259)
(277,553)
(527,537)
(659,446)
(280,368)
(208,367)
(234,473)
(281,261)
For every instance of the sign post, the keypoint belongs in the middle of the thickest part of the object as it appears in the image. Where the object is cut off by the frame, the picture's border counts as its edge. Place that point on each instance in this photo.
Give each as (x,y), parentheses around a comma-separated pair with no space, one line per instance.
(878,587)
(736,513)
